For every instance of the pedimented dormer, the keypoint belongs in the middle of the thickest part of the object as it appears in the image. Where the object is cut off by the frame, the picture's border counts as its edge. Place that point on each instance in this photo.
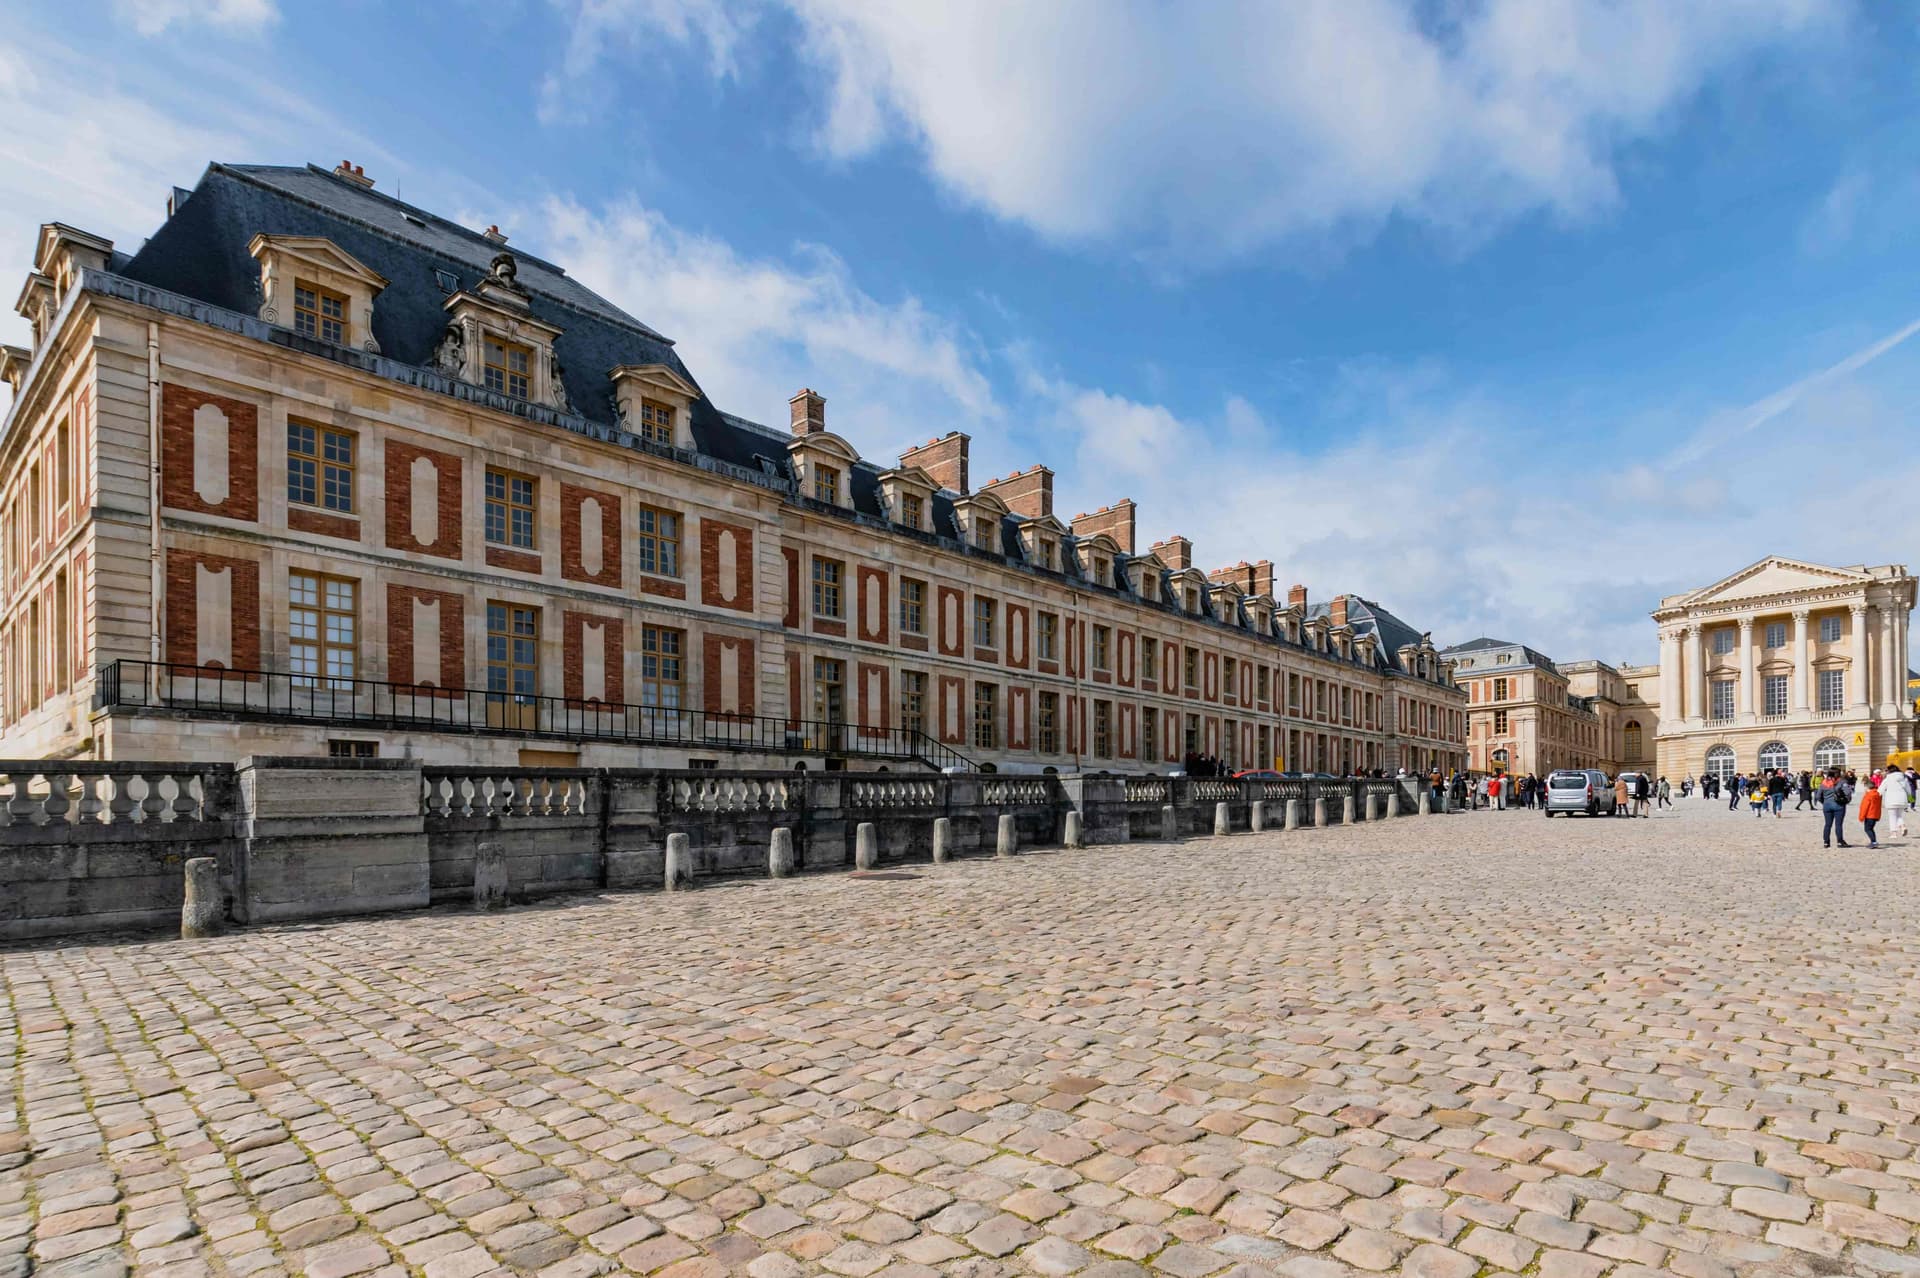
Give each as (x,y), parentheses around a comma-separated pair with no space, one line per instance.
(653,401)
(37,304)
(1226,601)
(493,340)
(1259,610)
(65,251)
(1317,630)
(823,467)
(1289,622)
(1340,640)
(316,288)
(1190,589)
(1144,574)
(1367,648)
(1042,539)
(979,515)
(1097,555)
(908,492)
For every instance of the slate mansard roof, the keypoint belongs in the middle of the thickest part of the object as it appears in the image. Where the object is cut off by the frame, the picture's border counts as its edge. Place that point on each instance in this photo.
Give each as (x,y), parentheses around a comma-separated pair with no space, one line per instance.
(202,252)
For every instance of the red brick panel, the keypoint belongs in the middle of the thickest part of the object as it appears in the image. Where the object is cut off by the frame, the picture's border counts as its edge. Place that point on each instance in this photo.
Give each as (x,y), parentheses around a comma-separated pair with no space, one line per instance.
(1019,641)
(177,407)
(662,587)
(1246,683)
(875,698)
(320,523)
(399,500)
(1127,713)
(1210,675)
(572,565)
(795,708)
(737,591)
(82,601)
(453,634)
(791,620)
(183,629)
(950,623)
(872,603)
(513,560)
(1072,642)
(1073,725)
(573,648)
(713,648)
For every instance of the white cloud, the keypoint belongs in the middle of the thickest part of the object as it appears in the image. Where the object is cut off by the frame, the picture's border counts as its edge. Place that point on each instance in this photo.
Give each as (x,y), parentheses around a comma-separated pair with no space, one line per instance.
(151,17)
(1199,131)
(637,28)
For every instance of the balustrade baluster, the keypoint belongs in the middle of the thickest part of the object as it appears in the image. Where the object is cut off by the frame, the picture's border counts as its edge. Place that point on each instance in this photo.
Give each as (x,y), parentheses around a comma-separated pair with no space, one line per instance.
(58,806)
(153,804)
(186,803)
(90,804)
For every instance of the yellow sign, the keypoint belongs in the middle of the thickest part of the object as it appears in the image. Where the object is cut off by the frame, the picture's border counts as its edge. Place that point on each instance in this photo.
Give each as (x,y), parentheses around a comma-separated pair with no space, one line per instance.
(1859,738)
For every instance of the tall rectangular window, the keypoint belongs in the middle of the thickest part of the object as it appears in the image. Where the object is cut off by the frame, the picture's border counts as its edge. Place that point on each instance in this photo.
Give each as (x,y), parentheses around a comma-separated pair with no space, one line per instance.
(913,702)
(322,630)
(1775,635)
(1722,694)
(63,465)
(319,467)
(1499,723)
(1830,628)
(1260,687)
(986,727)
(656,422)
(1103,729)
(1229,679)
(1102,648)
(659,542)
(826,588)
(509,516)
(1149,734)
(1775,688)
(319,312)
(1499,689)
(509,368)
(513,650)
(912,511)
(1192,661)
(1833,689)
(913,606)
(829,690)
(663,680)
(1047,738)
(1723,640)
(983,623)
(1149,656)
(1047,636)
(826,483)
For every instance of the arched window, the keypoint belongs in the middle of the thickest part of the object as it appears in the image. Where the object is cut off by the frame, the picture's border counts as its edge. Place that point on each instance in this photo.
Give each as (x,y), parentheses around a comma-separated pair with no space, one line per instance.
(1720,762)
(1830,752)
(1633,739)
(1773,756)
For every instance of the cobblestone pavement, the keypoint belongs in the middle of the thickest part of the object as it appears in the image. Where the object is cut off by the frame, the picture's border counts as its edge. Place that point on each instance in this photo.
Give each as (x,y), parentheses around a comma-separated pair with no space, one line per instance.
(1444,1047)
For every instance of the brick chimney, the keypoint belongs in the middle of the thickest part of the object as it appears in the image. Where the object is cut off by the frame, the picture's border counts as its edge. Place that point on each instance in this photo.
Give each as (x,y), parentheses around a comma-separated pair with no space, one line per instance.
(1296,596)
(494,234)
(1338,611)
(808,413)
(1116,521)
(354,174)
(945,459)
(1176,552)
(1028,493)
(1260,578)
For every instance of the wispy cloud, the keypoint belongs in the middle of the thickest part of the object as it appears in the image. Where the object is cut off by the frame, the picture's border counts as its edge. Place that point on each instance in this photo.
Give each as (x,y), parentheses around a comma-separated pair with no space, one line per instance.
(152,17)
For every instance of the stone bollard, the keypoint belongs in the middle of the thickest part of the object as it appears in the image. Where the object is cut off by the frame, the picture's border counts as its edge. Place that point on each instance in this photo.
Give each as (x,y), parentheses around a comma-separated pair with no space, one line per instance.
(942,840)
(1292,818)
(780,854)
(1426,803)
(1373,807)
(1008,841)
(489,877)
(1257,816)
(1222,819)
(679,862)
(1169,824)
(1347,808)
(866,846)
(1075,835)
(205,906)
(1393,803)
(1320,813)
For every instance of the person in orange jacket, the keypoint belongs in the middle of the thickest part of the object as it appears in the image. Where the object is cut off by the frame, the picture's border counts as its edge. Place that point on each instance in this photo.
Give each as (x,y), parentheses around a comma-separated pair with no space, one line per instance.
(1870,809)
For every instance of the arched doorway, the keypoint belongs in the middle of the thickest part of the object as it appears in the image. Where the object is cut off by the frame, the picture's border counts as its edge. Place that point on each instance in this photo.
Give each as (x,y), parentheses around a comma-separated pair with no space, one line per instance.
(1830,752)
(1774,757)
(1720,763)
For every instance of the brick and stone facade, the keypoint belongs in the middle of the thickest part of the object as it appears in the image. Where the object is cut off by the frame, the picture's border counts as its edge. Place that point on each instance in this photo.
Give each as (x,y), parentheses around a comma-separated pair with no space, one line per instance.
(600,541)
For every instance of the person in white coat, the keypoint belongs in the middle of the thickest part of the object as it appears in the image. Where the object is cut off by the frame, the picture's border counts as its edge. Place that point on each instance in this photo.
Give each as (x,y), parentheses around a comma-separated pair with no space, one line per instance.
(1896,793)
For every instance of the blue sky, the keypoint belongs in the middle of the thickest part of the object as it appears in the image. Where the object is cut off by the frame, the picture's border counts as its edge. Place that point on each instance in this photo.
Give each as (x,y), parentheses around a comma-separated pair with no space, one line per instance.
(1514,315)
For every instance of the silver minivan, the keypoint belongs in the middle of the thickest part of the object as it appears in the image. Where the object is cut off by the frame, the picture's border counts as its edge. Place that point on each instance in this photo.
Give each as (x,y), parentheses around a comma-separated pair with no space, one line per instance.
(1579,790)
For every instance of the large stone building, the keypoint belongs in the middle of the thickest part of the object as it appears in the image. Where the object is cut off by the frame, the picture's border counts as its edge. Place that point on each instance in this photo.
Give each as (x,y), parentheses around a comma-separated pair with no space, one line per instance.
(1784,664)
(314,471)
(1629,721)
(1522,714)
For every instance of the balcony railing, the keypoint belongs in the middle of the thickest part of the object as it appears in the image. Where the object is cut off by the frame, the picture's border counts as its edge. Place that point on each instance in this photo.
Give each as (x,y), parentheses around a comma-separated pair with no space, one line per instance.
(370,704)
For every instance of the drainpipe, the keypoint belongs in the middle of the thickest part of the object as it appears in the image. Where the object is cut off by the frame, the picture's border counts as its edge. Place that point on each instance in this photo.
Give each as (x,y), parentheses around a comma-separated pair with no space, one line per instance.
(155,565)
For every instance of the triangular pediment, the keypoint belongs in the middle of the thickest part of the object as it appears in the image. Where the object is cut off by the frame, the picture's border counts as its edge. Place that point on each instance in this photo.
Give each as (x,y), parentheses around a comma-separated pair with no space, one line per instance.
(321,252)
(1776,575)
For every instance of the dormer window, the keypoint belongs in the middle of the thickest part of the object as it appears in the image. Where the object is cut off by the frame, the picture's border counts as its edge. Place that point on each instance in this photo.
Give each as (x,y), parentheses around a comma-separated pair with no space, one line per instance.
(509,368)
(1193,600)
(1100,570)
(983,535)
(826,483)
(1049,555)
(319,313)
(913,511)
(656,422)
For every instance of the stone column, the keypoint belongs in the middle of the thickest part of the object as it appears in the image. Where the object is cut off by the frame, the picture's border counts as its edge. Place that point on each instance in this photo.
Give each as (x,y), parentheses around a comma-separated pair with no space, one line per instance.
(1859,675)
(1670,674)
(1800,687)
(1893,678)
(1697,677)
(1747,706)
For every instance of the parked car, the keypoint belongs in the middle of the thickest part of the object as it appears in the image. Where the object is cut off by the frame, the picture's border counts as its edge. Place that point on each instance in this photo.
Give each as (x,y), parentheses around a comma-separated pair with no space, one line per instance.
(1579,790)
(1256,774)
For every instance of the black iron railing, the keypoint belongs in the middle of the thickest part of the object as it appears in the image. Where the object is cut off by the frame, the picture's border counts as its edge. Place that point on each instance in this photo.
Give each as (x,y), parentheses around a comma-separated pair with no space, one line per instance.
(371,704)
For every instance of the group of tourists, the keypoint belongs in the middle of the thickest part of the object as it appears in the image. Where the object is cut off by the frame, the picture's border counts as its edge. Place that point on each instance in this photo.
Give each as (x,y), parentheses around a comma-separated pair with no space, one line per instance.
(1886,794)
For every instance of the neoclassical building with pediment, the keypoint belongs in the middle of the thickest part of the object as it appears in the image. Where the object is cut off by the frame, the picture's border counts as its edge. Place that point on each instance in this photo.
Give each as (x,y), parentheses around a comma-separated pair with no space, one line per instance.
(1785,664)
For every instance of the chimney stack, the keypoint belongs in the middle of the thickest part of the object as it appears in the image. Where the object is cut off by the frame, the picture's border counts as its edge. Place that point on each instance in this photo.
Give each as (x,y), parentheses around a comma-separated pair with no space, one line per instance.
(354,174)
(1116,521)
(808,413)
(945,459)
(1027,493)
(1176,552)
(1296,596)
(495,234)
(1338,612)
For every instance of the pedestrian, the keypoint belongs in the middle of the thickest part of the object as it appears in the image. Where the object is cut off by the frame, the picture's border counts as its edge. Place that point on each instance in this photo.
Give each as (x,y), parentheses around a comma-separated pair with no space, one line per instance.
(1896,791)
(1622,796)
(1497,791)
(1806,790)
(1834,797)
(1666,793)
(1777,790)
(1735,790)
(1757,797)
(1640,792)
(1870,805)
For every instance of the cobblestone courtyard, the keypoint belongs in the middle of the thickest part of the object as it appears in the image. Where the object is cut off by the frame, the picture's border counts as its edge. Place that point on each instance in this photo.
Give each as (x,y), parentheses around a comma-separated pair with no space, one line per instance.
(1442,1047)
